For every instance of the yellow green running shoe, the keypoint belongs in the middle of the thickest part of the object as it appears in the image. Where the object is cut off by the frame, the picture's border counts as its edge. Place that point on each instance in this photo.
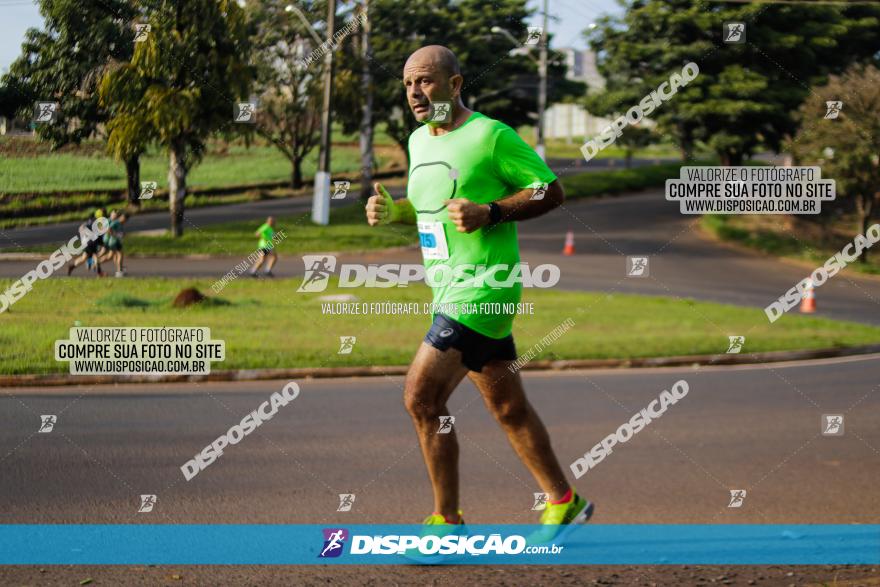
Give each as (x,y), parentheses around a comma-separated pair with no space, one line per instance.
(436,525)
(558,520)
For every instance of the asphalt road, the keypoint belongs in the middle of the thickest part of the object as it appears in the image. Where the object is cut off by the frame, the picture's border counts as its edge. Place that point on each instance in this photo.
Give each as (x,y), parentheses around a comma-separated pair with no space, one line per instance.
(750,427)
(753,427)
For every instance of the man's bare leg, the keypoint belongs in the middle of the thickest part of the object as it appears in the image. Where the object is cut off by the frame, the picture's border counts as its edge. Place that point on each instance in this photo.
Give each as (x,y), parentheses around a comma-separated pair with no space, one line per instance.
(506,400)
(431,379)
(272,258)
(259,263)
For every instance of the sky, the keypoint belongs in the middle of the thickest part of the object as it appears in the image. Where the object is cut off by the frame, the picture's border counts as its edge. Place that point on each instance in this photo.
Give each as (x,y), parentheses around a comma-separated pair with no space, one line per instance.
(16,16)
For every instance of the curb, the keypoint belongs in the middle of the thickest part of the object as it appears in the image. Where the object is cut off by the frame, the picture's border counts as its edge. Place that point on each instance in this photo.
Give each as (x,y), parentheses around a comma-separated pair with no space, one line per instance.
(58,379)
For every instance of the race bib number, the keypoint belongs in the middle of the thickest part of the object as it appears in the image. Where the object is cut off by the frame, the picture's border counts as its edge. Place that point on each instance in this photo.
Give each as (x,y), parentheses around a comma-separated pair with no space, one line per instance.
(432,238)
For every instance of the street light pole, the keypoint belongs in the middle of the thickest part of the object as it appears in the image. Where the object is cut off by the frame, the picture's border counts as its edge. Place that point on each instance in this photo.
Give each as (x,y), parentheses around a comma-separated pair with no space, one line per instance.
(542,76)
(321,197)
(542,92)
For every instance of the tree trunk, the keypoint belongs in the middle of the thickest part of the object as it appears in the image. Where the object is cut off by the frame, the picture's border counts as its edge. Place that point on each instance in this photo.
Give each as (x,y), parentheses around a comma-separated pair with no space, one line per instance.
(176,188)
(133,175)
(296,177)
(366,135)
(864,205)
(686,143)
(629,158)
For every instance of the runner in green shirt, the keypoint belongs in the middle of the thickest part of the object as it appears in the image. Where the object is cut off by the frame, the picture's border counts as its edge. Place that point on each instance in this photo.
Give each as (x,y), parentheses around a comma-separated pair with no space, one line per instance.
(470,179)
(265,248)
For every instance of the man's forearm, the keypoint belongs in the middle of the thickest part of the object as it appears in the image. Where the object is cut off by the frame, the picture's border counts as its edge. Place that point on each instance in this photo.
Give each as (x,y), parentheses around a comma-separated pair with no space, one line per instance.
(523,206)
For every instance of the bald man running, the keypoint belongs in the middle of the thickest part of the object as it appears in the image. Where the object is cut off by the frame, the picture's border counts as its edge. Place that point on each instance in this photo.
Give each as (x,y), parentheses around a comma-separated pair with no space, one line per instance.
(470,179)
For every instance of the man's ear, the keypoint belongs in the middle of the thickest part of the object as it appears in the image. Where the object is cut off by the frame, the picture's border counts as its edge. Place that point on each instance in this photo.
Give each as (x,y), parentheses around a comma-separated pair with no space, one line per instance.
(456,81)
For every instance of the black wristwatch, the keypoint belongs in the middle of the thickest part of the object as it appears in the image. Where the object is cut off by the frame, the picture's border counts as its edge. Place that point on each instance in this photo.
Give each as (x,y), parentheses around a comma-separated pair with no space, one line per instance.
(494,213)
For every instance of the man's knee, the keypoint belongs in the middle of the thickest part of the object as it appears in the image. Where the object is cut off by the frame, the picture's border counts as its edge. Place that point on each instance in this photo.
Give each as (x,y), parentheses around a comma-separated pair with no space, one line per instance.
(509,412)
(420,402)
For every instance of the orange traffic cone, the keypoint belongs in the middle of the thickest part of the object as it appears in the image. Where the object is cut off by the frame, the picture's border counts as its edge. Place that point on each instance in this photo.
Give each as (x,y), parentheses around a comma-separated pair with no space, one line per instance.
(808,302)
(568,249)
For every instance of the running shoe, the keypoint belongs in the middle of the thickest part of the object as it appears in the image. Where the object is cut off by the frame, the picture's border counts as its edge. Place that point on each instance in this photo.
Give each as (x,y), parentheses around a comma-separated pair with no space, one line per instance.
(558,520)
(436,525)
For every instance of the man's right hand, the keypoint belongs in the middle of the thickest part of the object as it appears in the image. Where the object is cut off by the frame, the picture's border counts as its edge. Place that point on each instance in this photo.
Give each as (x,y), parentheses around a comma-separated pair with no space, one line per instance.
(380,207)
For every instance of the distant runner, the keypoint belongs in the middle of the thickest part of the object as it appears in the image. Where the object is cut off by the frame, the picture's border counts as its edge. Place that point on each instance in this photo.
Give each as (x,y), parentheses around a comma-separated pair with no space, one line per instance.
(266,248)
(470,179)
(113,242)
(90,253)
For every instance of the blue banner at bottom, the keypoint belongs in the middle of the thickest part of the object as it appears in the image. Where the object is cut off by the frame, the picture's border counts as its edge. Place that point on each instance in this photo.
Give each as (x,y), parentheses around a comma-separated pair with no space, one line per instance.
(160,544)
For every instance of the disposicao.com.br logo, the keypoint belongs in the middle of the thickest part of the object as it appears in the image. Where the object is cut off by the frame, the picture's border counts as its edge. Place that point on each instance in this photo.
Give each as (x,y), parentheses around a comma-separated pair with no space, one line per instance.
(334,540)
(319,268)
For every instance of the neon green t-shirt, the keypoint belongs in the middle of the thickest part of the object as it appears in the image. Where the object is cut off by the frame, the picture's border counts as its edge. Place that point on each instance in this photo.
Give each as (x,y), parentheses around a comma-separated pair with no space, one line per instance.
(267,233)
(483,160)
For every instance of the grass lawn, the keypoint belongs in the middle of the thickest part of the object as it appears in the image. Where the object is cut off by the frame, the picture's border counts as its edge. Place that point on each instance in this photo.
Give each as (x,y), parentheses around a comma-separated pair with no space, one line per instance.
(780,236)
(267,324)
(237,166)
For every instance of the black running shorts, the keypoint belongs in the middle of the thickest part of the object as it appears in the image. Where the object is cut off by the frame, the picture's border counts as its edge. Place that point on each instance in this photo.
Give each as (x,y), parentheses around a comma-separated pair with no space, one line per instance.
(476,349)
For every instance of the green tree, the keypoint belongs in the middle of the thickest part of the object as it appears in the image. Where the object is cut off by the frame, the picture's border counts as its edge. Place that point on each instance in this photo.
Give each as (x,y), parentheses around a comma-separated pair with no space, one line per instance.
(497,83)
(847,148)
(746,94)
(182,85)
(64,62)
(289,89)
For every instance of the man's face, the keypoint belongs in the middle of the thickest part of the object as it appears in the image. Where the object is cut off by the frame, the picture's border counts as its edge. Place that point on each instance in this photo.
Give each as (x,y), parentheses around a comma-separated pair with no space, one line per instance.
(425,83)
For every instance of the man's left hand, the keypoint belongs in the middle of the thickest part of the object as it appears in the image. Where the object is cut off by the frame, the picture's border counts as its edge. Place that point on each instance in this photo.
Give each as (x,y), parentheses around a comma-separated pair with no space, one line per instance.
(468,216)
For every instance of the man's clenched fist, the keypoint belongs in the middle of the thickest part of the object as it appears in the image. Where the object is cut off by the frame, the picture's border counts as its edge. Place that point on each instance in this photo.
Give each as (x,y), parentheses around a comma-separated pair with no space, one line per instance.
(468,216)
(380,206)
